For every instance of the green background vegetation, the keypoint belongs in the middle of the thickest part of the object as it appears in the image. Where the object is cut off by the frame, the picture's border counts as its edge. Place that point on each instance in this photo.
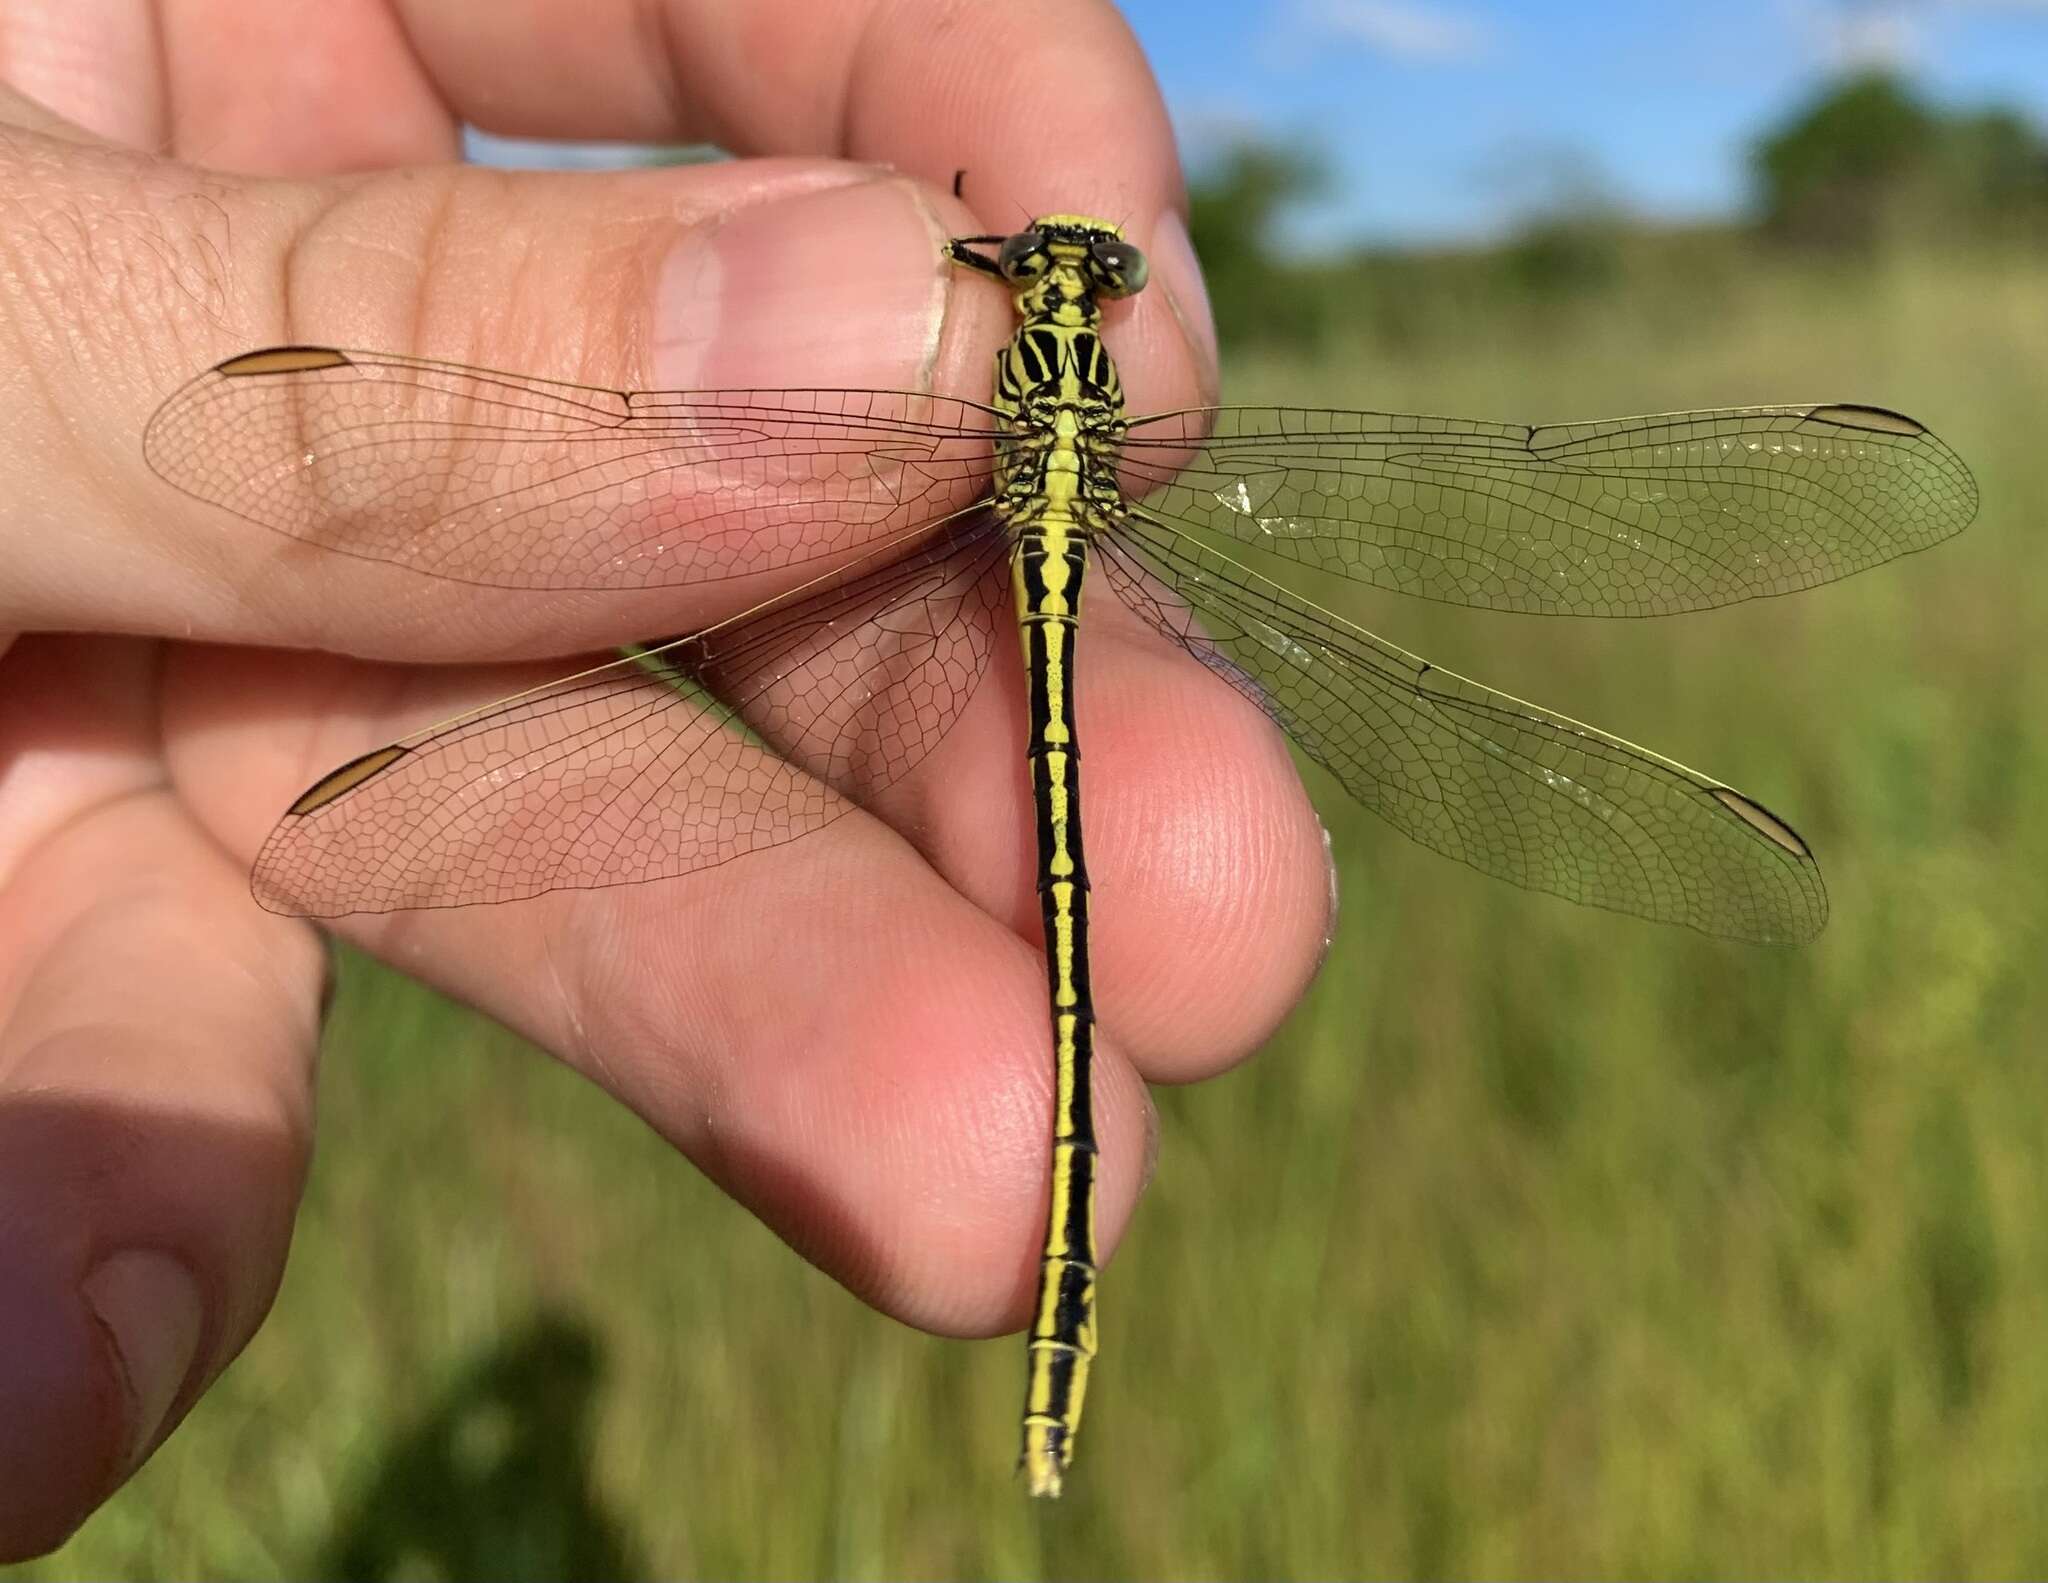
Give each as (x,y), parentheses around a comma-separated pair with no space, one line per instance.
(1540,1242)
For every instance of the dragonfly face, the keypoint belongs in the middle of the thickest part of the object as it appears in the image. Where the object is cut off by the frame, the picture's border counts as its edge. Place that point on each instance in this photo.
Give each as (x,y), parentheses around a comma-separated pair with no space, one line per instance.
(911,530)
(1059,264)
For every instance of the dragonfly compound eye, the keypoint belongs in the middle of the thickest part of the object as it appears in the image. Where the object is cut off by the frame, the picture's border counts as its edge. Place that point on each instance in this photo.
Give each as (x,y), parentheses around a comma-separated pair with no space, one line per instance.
(1116,268)
(1023,257)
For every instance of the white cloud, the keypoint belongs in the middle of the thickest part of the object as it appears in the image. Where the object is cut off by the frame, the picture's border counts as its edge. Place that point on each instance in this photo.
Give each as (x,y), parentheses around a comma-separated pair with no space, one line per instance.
(1885,35)
(1406,30)
(1872,37)
(1219,119)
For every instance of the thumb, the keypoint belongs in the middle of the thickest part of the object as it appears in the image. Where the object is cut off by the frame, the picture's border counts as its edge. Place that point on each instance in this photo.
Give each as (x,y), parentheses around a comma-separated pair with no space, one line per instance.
(132,275)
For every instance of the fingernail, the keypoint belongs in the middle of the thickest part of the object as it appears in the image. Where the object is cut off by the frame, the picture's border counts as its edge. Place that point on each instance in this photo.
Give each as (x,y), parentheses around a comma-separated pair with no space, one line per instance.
(150,1307)
(842,287)
(1176,268)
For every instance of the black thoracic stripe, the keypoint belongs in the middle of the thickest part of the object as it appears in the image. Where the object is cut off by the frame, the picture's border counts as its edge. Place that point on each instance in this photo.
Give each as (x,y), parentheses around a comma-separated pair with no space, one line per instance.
(1044,347)
(1088,360)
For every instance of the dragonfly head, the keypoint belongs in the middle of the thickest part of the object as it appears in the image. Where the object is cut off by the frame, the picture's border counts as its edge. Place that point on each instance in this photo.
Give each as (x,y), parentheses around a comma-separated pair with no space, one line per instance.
(1059,260)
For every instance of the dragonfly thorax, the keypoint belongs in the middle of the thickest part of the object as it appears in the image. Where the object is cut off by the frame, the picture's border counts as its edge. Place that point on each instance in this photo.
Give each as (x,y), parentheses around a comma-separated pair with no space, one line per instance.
(1058,269)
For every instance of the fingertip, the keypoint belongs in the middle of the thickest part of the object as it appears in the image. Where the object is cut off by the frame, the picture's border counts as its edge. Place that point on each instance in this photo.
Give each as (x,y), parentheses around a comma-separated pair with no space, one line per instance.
(62,1418)
(1212,892)
(1178,273)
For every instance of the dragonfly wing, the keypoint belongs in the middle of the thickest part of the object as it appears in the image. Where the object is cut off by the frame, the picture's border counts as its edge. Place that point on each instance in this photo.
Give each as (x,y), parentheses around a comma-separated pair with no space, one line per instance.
(1625,517)
(1511,789)
(499,479)
(745,736)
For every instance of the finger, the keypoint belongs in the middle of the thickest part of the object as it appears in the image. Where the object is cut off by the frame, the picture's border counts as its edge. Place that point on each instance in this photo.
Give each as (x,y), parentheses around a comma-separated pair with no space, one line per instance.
(1211,891)
(289,88)
(156,1041)
(828,1028)
(1007,94)
(1212,882)
(731,275)
(836,1032)
(101,542)
(1018,97)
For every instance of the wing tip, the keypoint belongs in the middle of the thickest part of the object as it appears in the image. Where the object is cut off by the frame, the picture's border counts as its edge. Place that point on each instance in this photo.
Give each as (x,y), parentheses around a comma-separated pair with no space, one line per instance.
(1883,420)
(1764,822)
(282,360)
(1877,420)
(1799,922)
(162,436)
(271,899)
(338,782)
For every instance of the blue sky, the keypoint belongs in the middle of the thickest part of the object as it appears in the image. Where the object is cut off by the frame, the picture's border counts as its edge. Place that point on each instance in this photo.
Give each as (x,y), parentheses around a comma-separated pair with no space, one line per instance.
(1442,118)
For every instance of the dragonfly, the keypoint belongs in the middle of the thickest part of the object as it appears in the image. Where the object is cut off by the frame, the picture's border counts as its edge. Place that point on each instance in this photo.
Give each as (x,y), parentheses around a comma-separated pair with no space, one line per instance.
(915,527)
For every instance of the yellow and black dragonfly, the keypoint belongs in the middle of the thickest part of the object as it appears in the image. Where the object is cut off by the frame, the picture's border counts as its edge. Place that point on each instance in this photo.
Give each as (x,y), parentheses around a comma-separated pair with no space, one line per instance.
(921,525)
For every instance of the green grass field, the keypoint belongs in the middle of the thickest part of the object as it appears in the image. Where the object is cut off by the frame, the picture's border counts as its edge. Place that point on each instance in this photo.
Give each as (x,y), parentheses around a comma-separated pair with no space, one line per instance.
(1540,1242)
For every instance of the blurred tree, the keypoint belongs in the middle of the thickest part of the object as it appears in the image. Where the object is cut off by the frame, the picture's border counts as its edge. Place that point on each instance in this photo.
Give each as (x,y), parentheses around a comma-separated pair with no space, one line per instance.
(1832,173)
(1238,200)
(1997,161)
(1869,160)
(1567,223)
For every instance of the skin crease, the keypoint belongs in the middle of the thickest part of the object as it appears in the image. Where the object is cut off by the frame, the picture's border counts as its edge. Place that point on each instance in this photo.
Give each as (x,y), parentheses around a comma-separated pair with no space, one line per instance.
(194,178)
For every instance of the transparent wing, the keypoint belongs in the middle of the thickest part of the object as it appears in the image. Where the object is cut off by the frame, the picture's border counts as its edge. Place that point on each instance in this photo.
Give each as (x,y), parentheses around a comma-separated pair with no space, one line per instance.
(1511,789)
(745,736)
(499,479)
(1626,517)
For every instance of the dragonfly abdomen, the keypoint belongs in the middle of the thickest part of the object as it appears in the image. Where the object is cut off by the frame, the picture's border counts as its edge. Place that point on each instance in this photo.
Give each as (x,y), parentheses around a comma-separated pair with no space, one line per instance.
(1047,563)
(1048,518)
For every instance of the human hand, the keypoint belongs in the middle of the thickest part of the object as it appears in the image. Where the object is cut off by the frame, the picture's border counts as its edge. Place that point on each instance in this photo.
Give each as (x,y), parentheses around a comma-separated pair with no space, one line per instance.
(848,1033)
